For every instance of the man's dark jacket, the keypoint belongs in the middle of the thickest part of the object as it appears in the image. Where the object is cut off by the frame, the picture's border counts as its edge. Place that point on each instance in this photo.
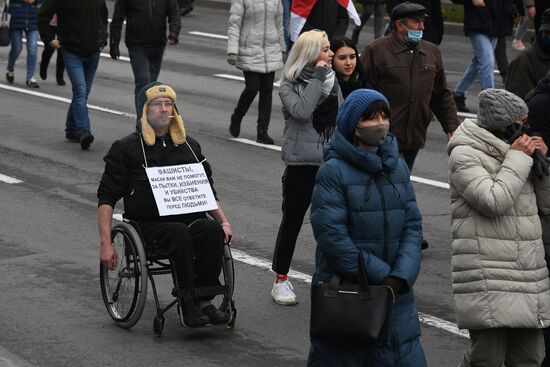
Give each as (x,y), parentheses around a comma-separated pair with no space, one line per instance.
(539,111)
(145,22)
(527,69)
(81,25)
(125,177)
(495,19)
(413,81)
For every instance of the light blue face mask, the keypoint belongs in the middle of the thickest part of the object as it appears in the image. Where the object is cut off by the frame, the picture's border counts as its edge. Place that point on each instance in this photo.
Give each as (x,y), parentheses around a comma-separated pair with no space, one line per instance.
(414,36)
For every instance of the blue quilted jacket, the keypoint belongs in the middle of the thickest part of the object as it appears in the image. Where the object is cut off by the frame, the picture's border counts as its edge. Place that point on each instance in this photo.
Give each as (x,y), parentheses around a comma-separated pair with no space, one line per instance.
(364,201)
(23,15)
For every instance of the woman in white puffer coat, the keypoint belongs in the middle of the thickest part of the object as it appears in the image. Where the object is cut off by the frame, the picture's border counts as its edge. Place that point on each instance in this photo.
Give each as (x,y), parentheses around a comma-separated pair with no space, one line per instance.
(255,45)
(500,279)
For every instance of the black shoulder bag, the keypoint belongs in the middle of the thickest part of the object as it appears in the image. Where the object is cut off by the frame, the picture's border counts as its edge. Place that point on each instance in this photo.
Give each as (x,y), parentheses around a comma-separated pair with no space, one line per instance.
(352,312)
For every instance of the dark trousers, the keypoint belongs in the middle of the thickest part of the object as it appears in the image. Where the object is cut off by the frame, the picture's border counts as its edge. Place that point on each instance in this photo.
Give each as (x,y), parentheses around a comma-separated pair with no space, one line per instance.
(195,250)
(298,182)
(47,55)
(409,156)
(146,62)
(500,57)
(254,83)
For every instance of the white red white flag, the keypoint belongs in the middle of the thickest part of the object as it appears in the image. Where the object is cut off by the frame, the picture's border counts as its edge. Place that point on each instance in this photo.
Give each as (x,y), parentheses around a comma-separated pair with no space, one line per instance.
(302,8)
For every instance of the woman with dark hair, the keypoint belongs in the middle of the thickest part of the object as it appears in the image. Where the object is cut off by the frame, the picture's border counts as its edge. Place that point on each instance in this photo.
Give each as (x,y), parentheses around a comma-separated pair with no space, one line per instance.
(346,64)
(363,201)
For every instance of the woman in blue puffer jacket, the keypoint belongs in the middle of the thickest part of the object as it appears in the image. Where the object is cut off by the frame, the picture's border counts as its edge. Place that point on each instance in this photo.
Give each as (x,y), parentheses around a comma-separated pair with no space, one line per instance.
(363,200)
(23,19)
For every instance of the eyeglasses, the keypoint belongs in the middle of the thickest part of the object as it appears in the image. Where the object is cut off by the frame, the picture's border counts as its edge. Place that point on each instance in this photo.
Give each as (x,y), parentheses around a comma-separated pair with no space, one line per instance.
(159,104)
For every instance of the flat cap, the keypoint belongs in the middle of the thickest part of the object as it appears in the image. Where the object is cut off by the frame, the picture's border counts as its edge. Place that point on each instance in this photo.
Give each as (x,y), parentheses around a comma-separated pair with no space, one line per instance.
(407,10)
(545,21)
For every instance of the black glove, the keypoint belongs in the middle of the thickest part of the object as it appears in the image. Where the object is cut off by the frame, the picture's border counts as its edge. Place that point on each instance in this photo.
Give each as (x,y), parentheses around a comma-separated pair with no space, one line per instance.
(540,166)
(114,51)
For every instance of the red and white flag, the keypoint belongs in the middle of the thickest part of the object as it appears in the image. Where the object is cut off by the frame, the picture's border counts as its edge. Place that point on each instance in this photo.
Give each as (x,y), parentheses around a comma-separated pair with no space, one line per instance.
(302,8)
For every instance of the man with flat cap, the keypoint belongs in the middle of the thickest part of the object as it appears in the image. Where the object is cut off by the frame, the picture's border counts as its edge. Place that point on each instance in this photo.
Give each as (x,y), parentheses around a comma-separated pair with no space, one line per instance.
(409,72)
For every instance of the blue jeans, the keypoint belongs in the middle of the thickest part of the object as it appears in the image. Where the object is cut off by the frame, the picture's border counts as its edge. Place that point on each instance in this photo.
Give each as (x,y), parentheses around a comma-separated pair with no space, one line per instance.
(16,47)
(286,23)
(482,65)
(146,62)
(81,71)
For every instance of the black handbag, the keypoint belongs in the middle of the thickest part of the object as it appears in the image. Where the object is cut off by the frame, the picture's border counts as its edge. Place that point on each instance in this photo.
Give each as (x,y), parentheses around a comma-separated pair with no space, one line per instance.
(4,27)
(351,312)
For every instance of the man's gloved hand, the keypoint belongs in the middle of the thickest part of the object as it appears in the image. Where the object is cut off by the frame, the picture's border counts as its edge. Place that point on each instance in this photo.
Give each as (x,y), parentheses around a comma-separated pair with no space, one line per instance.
(114,51)
(540,166)
(232,59)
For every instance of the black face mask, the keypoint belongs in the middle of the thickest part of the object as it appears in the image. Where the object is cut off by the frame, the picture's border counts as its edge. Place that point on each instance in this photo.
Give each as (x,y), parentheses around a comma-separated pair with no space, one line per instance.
(513,132)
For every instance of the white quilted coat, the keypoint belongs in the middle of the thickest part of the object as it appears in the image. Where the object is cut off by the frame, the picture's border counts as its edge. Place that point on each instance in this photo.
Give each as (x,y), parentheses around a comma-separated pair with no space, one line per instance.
(255,34)
(500,278)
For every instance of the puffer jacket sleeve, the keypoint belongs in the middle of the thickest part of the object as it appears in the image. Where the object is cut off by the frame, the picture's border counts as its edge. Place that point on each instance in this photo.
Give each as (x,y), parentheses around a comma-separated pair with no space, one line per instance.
(542,190)
(329,219)
(301,105)
(407,264)
(491,196)
(236,14)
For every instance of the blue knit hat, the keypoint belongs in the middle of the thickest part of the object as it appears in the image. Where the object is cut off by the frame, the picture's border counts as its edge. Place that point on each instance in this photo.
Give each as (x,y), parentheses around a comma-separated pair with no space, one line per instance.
(353,108)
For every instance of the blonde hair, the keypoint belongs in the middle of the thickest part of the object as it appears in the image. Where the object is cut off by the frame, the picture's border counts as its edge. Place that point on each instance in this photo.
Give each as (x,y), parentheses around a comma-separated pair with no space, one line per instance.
(305,51)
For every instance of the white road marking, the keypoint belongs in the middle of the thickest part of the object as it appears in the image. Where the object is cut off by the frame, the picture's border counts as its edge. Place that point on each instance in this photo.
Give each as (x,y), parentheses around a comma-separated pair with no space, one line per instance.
(427,181)
(9,180)
(265,264)
(209,35)
(239,78)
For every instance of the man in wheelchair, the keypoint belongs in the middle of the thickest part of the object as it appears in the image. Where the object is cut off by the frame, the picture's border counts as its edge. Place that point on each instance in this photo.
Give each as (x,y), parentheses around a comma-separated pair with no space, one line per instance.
(193,241)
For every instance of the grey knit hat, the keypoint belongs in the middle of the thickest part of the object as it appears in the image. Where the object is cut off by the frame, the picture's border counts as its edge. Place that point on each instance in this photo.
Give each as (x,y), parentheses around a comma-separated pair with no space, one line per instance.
(499,108)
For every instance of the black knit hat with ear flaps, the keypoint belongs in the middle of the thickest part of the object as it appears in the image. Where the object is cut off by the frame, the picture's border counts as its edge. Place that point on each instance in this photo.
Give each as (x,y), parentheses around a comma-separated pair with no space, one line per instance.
(148,93)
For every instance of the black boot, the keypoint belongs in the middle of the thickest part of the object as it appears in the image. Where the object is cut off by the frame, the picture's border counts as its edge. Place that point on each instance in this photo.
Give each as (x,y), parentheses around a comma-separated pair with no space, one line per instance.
(262,136)
(460,102)
(235,126)
(43,70)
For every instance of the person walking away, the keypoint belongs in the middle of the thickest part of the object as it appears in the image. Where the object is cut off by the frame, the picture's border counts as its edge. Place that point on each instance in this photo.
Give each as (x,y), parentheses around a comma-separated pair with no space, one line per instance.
(346,65)
(255,45)
(532,64)
(371,7)
(484,23)
(310,96)
(82,34)
(361,179)
(145,36)
(23,20)
(47,55)
(500,279)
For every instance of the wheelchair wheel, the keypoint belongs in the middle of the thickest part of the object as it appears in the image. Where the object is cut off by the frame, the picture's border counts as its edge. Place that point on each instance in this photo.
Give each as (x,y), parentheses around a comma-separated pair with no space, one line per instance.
(228,305)
(124,289)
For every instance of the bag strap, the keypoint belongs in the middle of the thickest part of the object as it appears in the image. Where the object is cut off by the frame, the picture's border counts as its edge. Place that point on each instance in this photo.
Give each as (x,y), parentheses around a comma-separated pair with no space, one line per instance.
(363,280)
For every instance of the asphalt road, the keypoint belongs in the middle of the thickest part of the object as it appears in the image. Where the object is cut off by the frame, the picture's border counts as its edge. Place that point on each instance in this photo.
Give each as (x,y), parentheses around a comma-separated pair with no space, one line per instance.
(51,311)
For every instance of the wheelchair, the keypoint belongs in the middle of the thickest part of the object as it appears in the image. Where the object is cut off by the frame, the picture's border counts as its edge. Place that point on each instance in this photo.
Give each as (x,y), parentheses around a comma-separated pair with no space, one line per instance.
(124,289)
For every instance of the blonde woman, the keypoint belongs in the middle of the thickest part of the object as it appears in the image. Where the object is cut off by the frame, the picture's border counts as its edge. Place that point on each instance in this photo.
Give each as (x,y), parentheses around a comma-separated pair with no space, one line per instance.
(310,96)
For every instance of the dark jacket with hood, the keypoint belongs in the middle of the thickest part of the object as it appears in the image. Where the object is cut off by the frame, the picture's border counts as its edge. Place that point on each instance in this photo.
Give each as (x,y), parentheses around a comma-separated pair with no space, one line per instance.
(145,22)
(495,19)
(539,111)
(528,68)
(81,25)
(364,201)
(125,177)
(23,15)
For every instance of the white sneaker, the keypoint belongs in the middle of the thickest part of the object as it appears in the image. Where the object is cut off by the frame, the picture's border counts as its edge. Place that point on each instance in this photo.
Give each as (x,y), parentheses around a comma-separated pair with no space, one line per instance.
(282,293)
